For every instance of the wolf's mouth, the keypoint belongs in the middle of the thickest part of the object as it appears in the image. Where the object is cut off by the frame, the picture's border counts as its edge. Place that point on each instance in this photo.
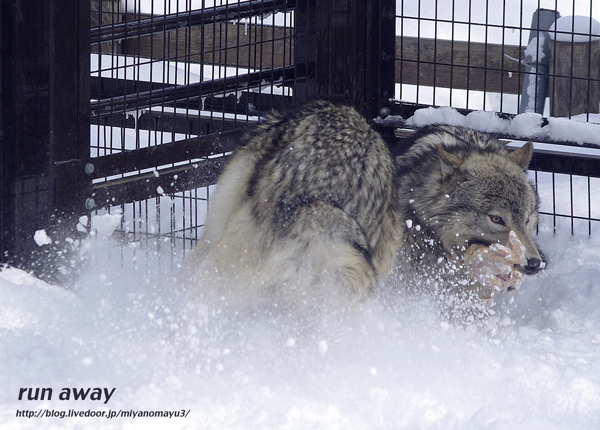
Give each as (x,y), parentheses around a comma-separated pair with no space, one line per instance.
(479,242)
(533,266)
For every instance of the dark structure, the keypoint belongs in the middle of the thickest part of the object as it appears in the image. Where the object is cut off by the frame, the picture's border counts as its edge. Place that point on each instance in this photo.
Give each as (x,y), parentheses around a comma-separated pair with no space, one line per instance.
(44,125)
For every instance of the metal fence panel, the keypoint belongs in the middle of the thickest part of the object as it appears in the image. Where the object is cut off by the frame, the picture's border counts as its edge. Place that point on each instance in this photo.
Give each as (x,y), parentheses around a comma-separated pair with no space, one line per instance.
(127,110)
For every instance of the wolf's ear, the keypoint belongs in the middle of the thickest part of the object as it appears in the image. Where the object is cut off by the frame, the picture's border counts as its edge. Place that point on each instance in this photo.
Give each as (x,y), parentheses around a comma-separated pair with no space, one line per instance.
(448,162)
(522,156)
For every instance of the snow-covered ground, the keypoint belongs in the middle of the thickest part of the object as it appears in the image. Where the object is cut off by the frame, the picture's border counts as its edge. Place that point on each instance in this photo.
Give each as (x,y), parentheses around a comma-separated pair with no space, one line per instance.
(534,364)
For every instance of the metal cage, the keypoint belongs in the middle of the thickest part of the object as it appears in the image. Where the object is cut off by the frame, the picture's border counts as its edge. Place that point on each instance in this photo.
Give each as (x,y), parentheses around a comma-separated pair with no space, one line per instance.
(122,113)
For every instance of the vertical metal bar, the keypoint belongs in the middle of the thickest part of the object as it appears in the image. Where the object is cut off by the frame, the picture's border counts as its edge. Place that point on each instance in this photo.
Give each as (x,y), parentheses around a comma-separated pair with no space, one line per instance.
(590,85)
(435,53)
(273,57)
(554,201)
(452,52)
(202,47)
(468,57)
(572,207)
(224,47)
(589,188)
(520,73)
(261,27)
(237,59)
(500,109)
(485,58)
(418,92)
(537,191)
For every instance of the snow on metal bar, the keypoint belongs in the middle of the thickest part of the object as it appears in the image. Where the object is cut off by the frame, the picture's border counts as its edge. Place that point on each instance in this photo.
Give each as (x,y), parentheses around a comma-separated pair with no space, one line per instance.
(193,91)
(177,20)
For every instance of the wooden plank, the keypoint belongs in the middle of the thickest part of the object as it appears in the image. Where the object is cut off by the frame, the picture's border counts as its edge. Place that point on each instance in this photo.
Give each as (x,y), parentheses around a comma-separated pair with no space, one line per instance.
(252,46)
(419,61)
(169,153)
(144,186)
(575,83)
(459,65)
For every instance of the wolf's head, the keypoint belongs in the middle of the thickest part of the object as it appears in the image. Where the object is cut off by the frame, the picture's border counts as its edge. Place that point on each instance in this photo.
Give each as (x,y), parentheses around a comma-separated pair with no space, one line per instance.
(488,196)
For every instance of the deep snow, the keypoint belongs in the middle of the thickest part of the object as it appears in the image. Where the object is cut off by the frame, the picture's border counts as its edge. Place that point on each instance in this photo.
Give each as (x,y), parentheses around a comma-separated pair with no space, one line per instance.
(394,363)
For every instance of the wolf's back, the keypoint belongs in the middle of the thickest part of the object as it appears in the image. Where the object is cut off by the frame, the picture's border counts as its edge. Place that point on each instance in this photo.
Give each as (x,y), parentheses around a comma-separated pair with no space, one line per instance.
(303,212)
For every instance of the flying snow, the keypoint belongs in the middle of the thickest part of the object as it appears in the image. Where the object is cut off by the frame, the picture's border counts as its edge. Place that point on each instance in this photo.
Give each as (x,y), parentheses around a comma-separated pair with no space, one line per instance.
(532,363)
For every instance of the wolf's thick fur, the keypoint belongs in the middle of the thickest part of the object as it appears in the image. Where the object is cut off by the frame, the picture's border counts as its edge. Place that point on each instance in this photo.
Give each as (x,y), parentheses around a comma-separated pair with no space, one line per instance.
(314,209)
(456,187)
(304,213)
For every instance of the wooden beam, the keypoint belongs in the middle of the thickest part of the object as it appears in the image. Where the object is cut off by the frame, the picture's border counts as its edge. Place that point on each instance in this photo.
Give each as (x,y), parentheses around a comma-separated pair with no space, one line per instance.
(252,46)
(419,61)
(459,65)
(575,72)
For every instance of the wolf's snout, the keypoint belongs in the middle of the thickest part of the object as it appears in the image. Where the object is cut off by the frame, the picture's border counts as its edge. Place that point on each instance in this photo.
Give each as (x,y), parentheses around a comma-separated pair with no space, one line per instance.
(534,265)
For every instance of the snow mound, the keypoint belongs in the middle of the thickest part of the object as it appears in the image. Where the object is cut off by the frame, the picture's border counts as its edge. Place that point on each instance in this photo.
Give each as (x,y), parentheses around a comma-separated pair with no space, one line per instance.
(526,126)
(28,303)
(575,29)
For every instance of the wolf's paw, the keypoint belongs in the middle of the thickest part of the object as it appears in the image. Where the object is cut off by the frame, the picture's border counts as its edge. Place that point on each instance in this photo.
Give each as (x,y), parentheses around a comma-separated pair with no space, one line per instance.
(496,267)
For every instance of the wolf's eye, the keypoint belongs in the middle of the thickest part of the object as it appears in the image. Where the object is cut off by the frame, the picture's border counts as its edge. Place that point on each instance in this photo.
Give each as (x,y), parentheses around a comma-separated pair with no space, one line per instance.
(496,219)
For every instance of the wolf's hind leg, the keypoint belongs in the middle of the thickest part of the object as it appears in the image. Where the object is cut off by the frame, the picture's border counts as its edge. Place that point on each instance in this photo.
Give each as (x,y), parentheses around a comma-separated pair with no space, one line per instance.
(337,251)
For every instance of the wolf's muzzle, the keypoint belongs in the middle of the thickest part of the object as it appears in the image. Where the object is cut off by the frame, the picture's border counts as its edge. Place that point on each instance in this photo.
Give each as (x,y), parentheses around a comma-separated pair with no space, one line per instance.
(534,265)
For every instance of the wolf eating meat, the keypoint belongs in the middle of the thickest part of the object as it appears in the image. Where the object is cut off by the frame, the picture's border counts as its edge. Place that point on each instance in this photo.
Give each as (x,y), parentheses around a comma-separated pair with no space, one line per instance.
(314,209)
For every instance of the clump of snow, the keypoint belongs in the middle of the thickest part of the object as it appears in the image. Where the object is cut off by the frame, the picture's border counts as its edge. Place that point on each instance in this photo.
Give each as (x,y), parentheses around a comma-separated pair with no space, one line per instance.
(106,224)
(41,238)
(323,348)
(525,126)
(82,224)
(535,49)
(28,303)
(392,363)
(575,29)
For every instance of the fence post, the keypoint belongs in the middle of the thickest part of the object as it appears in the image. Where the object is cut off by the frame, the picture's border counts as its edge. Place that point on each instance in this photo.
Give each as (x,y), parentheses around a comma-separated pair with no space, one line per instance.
(44,125)
(576,74)
(351,45)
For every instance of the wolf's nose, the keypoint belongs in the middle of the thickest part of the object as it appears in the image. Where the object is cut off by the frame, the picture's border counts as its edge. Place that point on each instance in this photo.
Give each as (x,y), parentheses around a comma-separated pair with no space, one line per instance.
(534,265)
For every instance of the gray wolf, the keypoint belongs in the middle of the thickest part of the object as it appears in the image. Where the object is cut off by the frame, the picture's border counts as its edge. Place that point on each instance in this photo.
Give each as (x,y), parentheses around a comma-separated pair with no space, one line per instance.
(460,192)
(314,209)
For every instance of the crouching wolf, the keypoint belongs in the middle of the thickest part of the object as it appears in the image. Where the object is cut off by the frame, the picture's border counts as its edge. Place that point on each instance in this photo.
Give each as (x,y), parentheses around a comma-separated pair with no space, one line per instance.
(314,209)
(468,212)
